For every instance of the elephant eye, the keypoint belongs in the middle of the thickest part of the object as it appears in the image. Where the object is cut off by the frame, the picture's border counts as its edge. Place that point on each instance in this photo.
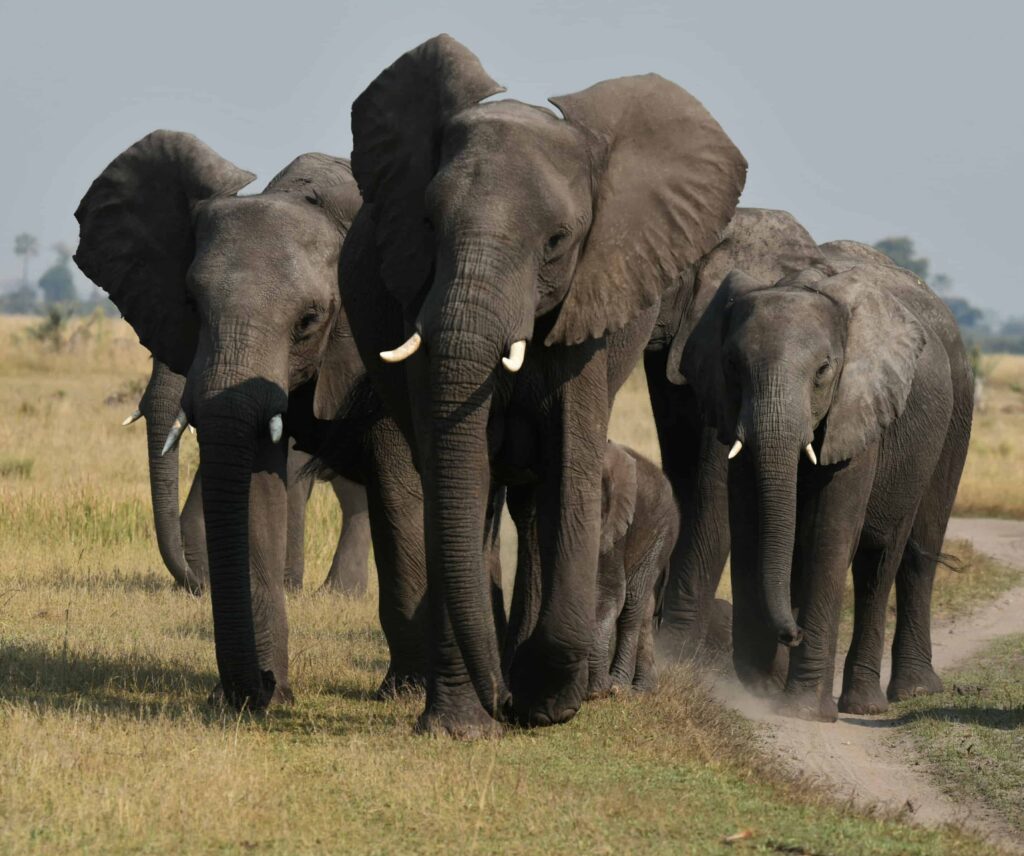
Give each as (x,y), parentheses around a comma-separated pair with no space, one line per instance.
(823,369)
(554,242)
(307,321)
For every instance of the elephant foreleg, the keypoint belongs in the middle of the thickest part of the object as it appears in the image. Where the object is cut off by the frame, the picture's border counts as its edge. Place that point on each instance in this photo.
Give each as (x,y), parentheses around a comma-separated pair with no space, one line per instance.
(350,567)
(300,486)
(193,532)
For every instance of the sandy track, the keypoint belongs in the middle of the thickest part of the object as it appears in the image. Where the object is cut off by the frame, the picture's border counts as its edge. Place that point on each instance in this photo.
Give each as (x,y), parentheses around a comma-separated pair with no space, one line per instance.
(864,758)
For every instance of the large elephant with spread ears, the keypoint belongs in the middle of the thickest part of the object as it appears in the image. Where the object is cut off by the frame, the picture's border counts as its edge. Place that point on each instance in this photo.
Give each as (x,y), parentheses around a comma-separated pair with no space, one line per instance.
(239,294)
(502,280)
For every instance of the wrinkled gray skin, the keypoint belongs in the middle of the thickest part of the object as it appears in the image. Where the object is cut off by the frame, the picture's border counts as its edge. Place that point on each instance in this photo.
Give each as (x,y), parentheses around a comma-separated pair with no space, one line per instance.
(769,244)
(240,295)
(181,538)
(861,360)
(639,525)
(491,223)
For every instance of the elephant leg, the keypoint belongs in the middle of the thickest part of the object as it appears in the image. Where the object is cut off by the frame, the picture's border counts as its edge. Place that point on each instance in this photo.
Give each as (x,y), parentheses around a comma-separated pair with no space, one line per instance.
(611,597)
(644,677)
(193,532)
(350,567)
(874,569)
(526,592)
(637,613)
(755,647)
(697,467)
(830,519)
(300,486)
(395,506)
(492,553)
(268,510)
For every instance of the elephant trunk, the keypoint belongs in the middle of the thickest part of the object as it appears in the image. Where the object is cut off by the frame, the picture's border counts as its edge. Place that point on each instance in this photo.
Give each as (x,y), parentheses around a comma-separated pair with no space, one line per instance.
(229,422)
(776,454)
(160,405)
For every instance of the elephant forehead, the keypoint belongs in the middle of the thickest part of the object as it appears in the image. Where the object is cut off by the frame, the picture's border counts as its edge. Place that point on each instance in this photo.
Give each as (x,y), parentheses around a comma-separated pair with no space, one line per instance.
(776,321)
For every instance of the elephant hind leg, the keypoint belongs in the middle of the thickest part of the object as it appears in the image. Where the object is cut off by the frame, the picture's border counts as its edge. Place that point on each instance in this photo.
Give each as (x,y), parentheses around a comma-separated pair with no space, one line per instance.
(350,567)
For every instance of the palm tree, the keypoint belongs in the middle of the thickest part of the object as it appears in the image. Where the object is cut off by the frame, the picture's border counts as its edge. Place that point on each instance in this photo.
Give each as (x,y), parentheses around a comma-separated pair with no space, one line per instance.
(26,246)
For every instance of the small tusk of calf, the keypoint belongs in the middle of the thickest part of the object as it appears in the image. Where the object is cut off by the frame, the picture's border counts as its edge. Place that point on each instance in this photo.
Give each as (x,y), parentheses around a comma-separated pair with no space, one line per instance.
(174,435)
(133,418)
(809,451)
(276,428)
(409,347)
(192,429)
(516,354)
(735,450)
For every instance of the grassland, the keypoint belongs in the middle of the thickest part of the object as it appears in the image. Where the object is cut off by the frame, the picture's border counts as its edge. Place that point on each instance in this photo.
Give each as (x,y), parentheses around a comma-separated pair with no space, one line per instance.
(972,735)
(107,744)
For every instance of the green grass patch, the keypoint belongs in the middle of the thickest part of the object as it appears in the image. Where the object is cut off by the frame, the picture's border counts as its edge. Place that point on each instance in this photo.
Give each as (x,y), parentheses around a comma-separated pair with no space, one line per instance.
(973,733)
(16,468)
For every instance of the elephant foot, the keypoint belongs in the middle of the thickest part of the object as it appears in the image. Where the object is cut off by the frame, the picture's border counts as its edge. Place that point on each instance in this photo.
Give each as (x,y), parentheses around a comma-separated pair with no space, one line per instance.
(866,699)
(807,705)
(601,687)
(458,714)
(546,690)
(759,683)
(907,683)
(282,696)
(400,684)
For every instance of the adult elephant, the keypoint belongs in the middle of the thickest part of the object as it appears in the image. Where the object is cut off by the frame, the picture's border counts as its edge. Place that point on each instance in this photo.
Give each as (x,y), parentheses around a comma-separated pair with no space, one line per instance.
(181,536)
(768,244)
(521,257)
(846,396)
(240,295)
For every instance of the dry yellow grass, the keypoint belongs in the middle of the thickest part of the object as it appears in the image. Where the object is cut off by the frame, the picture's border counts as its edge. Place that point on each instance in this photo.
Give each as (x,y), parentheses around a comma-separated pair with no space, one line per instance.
(107,744)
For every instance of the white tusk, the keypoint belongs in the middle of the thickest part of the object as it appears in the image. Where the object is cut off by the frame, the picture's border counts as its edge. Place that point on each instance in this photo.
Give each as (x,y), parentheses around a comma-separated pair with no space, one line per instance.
(276,428)
(516,354)
(192,428)
(808,449)
(175,433)
(409,347)
(735,450)
(134,417)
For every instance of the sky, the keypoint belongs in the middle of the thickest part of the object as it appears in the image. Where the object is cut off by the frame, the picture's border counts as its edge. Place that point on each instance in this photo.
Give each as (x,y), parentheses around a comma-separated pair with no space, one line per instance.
(864,119)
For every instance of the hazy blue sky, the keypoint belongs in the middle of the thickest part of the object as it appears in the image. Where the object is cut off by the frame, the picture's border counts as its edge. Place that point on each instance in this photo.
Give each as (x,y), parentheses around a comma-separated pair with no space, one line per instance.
(864,118)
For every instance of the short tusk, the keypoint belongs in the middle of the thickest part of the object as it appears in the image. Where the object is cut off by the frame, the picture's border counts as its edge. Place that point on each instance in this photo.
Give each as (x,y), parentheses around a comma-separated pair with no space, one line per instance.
(809,451)
(133,418)
(174,435)
(192,429)
(276,428)
(409,347)
(735,450)
(516,354)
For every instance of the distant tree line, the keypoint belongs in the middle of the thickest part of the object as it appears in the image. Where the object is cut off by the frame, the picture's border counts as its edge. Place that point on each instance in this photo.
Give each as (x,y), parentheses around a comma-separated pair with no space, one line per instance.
(978,329)
(55,289)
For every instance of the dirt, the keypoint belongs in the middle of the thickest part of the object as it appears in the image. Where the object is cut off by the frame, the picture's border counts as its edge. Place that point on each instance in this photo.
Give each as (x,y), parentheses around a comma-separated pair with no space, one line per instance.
(865,758)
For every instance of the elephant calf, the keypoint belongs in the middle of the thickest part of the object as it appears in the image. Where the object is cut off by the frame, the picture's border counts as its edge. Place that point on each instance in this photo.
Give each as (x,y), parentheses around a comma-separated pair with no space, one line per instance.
(639,526)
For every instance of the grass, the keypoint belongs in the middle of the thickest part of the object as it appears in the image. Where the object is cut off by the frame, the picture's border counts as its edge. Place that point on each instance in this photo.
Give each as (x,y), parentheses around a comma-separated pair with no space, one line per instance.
(972,735)
(109,746)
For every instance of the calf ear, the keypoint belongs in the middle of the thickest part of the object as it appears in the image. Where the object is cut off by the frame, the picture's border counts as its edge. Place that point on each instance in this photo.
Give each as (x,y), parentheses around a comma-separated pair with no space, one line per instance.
(883,341)
(667,180)
(136,239)
(397,124)
(702,354)
(618,500)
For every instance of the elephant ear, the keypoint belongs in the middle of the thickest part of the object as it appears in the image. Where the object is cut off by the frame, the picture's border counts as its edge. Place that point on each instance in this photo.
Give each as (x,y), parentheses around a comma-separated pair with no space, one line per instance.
(667,182)
(702,354)
(324,180)
(397,125)
(136,240)
(618,495)
(883,341)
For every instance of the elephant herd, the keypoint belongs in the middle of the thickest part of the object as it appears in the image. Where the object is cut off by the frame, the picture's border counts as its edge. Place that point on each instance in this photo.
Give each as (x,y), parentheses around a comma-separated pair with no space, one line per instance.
(446,320)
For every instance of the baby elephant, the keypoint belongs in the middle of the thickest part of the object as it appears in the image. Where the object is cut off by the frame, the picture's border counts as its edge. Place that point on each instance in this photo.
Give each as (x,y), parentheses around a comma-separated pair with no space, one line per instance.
(639,525)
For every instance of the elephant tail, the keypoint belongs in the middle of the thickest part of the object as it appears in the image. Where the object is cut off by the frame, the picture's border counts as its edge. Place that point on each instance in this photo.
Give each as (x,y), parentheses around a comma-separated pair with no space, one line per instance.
(920,558)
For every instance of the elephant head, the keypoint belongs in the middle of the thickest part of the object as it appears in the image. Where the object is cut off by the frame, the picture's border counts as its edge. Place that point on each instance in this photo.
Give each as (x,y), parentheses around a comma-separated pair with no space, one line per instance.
(239,295)
(816,366)
(501,227)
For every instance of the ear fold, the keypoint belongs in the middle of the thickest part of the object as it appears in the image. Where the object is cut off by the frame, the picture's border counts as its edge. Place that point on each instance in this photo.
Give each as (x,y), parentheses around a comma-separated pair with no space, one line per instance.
(397,125)
(136,240)
(702,354)
(883,342)
(618,499)
(668,180)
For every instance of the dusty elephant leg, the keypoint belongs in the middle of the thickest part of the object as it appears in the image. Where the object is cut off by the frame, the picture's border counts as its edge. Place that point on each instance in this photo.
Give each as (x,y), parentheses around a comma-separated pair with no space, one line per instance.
(395,507)
(268,509)
(193,531)
(754,643)
(349,572)
(300,486)
(696,465)
(645,678)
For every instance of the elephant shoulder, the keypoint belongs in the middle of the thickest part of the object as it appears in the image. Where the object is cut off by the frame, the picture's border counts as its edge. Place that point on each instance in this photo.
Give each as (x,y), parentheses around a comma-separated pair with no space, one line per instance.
(843,255)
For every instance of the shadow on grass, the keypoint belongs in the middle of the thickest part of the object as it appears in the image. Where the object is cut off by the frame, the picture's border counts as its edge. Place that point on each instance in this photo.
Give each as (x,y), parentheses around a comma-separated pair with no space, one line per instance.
(1004,719)
(139,687)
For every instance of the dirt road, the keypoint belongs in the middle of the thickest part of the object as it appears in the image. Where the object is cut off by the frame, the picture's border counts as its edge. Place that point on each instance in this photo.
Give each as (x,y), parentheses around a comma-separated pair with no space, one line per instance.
(864,758)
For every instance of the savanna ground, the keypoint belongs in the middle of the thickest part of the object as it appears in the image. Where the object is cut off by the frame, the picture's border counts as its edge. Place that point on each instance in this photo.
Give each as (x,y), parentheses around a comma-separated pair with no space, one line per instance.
(107,743)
